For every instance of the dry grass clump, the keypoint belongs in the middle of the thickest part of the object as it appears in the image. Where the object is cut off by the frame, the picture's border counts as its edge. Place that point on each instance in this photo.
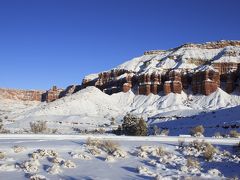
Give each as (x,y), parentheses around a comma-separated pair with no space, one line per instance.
(93,142)
(209,152)
(205,149)
(3,130)
(199,145)
(217,134)
(38,127)
(181,143)
(18,149)
(109,146)
(160,151)
(197,131)
(234,134)
(165,132)
(237,149)
(193,163)
(2,155)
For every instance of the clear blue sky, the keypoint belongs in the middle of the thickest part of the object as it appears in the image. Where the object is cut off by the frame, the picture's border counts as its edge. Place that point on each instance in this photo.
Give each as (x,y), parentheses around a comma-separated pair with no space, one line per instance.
(47,42)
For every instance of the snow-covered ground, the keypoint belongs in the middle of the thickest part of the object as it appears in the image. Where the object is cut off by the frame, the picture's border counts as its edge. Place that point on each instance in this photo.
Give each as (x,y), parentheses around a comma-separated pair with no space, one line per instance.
(74,159)
(90,108)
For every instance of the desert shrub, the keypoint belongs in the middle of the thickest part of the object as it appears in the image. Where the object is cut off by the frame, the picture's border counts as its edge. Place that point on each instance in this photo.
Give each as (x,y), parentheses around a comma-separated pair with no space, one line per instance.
(38,127)
(134,126)
(160,151)
(92,142)
(181,143)
(217,134)
(193,163)
(199,145)
(109,146)
(209,151)
(112,121)
(2,155)
(3,130)
(54,131)
(198,130)
(234,134)
(118,131)
(156,130)
(165,132)
(236,148)
(206,149)
(100,131)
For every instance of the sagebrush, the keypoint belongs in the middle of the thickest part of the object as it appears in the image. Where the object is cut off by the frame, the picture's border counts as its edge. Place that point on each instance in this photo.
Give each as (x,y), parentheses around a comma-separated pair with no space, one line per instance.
(39,127)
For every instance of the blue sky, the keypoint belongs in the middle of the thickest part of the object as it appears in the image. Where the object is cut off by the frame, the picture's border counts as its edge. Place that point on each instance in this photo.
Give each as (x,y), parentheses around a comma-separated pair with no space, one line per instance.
(58,42)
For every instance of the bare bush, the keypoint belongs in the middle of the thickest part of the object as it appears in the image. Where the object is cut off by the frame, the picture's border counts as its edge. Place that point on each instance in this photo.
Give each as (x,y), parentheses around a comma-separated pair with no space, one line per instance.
(193,163)
(198,130)
(38,127)
(234,134)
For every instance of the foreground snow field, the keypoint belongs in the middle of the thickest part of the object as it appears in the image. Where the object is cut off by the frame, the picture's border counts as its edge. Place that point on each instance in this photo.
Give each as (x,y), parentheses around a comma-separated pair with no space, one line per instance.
(74,159)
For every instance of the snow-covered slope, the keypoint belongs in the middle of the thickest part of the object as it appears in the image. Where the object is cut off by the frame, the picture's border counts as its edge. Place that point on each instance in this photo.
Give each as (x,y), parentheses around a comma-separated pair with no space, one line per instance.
(90,108)
(190,57)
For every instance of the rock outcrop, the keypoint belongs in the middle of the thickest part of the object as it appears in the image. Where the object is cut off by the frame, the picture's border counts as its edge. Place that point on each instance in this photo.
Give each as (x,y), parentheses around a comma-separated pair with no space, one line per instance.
(24,95)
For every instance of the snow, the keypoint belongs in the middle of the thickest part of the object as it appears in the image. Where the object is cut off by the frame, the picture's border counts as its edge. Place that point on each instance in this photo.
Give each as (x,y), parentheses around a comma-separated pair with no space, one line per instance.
(90,108)
(91,77)
(185,58)
(164,160)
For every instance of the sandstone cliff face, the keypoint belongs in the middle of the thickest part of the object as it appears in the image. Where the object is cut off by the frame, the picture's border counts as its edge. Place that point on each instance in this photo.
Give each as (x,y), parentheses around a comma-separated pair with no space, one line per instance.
(24,95)
(182,68)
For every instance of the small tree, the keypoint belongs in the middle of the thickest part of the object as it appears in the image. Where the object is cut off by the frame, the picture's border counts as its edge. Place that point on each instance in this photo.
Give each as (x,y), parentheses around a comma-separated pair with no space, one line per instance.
(141,128)
(134,126)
